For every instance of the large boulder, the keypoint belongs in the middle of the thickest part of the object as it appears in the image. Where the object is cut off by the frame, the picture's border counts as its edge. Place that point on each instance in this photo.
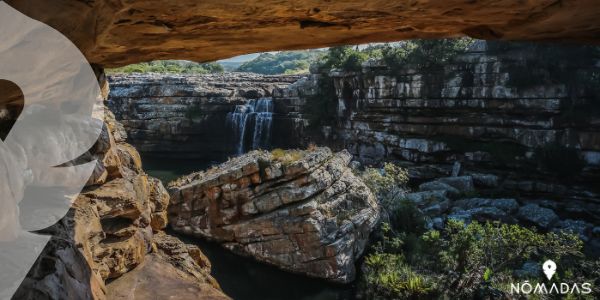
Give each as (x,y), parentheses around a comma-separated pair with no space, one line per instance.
(303,211)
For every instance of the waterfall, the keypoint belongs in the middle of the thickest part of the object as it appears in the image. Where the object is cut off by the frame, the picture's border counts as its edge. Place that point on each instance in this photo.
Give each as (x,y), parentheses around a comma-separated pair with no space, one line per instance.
(252,120)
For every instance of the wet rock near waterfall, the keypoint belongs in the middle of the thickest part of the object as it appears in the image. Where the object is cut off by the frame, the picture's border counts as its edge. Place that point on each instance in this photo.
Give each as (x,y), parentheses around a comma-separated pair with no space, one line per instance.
(208,116)
(302,211)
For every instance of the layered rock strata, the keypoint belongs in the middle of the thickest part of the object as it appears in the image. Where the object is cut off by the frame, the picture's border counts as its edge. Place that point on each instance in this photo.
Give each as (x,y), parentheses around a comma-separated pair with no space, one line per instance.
(116,33)
(453,198)
(188,115)
(110,230)
(305,212)
(469,118)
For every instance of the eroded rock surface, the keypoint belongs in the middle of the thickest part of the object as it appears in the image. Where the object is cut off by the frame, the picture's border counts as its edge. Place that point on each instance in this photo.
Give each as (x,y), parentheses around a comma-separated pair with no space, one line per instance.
(188,115)
(114,33)
(110,229)
(307,214)
(173,271)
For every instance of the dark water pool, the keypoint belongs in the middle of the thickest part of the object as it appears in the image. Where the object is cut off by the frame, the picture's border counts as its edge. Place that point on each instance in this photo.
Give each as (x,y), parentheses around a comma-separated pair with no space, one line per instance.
(243,278)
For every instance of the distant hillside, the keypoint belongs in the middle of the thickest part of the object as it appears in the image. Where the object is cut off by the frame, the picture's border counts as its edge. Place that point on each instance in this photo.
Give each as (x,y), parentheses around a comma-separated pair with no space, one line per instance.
(285,62)
(169,66)
(230,66)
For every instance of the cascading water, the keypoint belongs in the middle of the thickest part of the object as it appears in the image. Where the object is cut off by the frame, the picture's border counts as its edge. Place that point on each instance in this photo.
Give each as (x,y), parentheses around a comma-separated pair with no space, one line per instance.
(252,120)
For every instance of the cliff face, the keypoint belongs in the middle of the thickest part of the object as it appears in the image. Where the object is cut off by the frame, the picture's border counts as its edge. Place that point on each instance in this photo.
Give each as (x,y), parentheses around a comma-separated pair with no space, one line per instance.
(192,116)
(468,118)
(116,33)
(114,227)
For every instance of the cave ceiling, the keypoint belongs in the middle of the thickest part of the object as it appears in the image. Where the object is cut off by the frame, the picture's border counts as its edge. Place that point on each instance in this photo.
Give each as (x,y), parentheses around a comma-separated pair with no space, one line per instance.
(119,32)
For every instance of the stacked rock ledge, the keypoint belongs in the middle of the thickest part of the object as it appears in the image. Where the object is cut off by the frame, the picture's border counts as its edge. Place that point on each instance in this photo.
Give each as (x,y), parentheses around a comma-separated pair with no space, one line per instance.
(304,212)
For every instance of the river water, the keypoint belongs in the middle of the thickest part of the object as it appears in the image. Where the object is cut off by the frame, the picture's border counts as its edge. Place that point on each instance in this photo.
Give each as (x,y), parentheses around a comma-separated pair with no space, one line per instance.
(240,277)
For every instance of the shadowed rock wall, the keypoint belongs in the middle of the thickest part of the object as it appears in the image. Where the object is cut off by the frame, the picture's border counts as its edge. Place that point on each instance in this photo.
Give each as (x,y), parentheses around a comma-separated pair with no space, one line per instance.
(186,115)
(468,118)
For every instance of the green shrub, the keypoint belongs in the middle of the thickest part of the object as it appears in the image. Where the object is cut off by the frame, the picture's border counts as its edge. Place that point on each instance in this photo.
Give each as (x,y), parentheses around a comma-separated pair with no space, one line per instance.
(387,276)
(424,54)
(563,161)
(463,261)
(347,58)
(387,183)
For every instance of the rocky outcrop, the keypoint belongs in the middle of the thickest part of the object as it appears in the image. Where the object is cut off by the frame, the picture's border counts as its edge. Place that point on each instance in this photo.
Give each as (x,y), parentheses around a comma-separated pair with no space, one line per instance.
(189,115)
(302,211)
(110,229)
(115,33)
(173,269)
(448,199)
(468,119)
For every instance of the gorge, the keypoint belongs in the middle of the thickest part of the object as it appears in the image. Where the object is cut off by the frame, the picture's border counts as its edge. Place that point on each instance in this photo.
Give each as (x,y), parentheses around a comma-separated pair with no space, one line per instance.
(481,139)
(467,134)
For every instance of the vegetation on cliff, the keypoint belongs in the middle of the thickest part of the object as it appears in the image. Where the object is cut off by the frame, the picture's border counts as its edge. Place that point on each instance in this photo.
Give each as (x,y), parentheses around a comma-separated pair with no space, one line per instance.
(169,66)
(475,260)
(420,54)
(285,62)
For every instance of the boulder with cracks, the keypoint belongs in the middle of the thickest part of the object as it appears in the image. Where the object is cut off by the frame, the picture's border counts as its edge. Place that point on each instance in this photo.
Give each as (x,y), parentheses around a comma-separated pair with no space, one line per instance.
(303,211)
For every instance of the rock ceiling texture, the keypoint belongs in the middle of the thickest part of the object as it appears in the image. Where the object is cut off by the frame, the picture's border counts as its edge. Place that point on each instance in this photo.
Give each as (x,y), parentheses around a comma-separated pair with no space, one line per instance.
(119,32)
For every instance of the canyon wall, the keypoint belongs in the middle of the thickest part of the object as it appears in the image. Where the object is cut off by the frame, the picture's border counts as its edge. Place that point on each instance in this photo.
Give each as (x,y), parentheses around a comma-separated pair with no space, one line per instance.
(472,118)
(199,116)
(114,228)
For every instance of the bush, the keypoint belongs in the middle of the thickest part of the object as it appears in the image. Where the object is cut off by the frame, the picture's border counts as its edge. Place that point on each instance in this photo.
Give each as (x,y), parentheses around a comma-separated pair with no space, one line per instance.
(388,276)
(463,261)
(564,162)
(387,183)
(424,54)
(347,58)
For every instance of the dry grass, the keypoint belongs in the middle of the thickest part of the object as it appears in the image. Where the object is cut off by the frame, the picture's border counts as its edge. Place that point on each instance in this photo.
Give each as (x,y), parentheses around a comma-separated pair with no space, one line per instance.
(287,156)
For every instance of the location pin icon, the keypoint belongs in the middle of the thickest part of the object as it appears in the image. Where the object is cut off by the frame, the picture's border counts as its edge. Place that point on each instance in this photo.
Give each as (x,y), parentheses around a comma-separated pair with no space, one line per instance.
(549,268)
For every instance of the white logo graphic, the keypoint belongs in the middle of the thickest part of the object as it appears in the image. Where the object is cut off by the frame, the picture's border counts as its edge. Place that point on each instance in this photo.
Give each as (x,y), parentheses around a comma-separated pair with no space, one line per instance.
(549,268)
(43,166)
(550,288)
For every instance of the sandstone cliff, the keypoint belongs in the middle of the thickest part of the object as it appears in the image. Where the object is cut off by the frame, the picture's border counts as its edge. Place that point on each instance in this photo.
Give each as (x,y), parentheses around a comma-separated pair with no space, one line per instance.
(302,211)
(110,230)
(115,33)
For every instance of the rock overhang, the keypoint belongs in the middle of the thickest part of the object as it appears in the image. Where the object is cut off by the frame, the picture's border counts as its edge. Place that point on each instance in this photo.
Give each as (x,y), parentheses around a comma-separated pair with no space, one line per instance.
(115,33)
